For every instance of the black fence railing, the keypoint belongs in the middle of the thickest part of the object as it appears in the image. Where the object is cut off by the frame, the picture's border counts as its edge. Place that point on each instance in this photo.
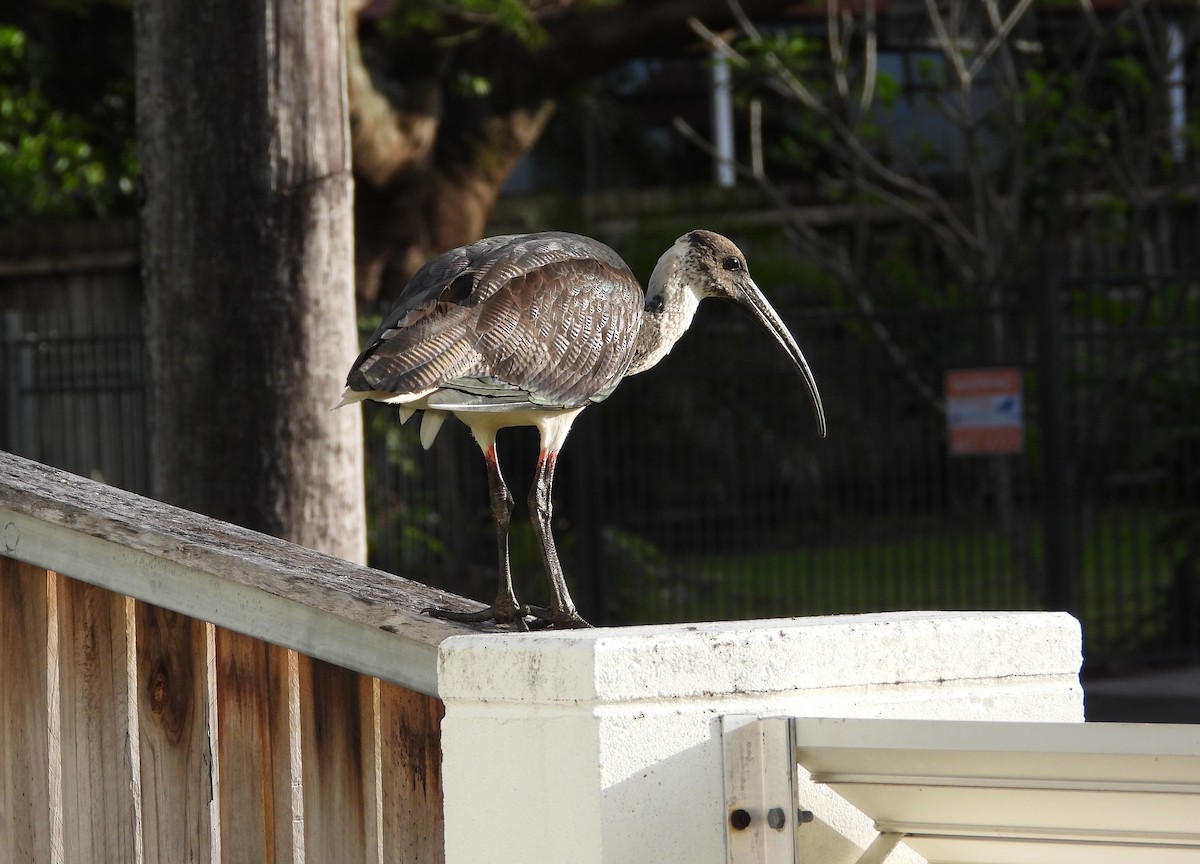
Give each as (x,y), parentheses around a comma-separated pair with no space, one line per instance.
(74,397)
(700,490)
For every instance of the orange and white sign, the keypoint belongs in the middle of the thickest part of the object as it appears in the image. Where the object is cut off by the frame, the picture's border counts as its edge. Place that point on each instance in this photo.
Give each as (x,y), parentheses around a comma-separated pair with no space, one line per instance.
(985,411)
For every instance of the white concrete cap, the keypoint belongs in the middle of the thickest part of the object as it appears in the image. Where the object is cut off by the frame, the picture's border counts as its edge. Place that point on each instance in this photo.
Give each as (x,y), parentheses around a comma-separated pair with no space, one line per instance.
(604,745)
(755,657)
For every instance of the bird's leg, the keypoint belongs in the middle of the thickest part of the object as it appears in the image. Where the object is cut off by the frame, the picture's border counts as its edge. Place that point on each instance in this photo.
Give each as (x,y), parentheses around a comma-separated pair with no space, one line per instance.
(505,610)
(506,606)
(561,614)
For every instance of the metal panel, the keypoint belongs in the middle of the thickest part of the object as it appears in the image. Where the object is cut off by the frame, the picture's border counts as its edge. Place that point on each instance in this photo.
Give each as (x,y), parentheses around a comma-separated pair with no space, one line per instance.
(760,790)
(1017,793)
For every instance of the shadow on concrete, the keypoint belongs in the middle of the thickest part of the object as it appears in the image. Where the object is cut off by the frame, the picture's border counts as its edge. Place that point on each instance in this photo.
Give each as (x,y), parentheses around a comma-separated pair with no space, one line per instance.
(1159,696)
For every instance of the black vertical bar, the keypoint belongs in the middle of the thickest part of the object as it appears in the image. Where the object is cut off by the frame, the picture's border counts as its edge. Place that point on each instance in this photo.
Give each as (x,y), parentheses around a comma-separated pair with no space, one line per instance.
(1059,549)
(9,340)
(587,477)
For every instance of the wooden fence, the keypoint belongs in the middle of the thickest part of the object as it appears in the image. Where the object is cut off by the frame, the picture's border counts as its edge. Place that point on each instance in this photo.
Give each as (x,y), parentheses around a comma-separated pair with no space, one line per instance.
(173,688)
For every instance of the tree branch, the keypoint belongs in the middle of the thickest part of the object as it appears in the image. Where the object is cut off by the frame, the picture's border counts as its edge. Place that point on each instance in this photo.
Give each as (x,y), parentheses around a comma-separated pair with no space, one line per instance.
(947,42)
(847,137)
(383,140)
(1000,37)
(831,258)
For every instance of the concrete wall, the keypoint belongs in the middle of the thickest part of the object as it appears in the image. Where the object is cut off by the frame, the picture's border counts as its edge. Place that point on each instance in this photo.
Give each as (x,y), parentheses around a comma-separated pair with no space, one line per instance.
(604,745)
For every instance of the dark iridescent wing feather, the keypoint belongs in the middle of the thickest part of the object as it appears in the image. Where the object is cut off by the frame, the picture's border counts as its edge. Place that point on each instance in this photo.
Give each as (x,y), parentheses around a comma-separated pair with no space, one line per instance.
(548,320)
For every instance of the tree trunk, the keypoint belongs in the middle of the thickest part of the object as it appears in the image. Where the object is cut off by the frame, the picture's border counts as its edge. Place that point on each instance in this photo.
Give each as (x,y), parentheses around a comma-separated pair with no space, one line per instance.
(248,266)
(414,201)
(429,159)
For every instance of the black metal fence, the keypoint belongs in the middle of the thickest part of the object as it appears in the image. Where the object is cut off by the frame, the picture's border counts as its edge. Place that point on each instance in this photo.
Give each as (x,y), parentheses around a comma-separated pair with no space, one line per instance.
(700,490)
(74,396)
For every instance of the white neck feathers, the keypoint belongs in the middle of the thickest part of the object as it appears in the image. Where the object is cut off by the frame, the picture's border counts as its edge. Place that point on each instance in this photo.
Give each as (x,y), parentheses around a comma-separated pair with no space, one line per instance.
(671,301)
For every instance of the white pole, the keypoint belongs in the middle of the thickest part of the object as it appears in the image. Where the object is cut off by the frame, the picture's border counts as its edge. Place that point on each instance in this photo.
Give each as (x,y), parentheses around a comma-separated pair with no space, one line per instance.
(722,121)
(1176,98)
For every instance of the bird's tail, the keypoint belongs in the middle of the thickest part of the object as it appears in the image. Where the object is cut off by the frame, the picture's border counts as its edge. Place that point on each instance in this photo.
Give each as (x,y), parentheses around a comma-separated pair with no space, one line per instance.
(349,397)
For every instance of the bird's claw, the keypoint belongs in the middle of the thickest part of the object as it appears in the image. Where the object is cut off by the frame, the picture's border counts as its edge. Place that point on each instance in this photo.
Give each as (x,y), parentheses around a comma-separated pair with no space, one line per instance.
(505,613)
(557,619)
(501,614)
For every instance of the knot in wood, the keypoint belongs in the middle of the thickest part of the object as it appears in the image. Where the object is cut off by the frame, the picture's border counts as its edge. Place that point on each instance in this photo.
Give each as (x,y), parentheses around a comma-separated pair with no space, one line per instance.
(157,692)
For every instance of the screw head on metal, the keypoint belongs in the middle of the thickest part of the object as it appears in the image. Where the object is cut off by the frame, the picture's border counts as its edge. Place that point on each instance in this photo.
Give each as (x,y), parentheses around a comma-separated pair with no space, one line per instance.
(804,816)
(776,818)
(739,819)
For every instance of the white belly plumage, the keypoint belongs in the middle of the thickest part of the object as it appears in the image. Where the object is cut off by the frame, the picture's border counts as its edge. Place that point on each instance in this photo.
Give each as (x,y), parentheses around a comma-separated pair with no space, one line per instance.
(484,416)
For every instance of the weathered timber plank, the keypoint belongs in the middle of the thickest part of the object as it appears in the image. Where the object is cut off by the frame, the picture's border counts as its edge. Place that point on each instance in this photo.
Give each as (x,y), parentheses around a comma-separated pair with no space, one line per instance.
(178,778)
(413,826)
(319,605)
(258,740)
(101,809)
(340,801)
(30,798)
(368,700)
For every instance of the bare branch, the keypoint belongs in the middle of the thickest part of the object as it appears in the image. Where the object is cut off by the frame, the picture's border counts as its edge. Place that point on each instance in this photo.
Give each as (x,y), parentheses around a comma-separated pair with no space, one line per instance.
(870,57)
(836,57)
(1011,80)
(717,43)
(1089,12)
(950,241)
(907,184)
(947,43)
(743,21)
(795,88)
(788,84)
(1138,10)
(832,258)
(1000,38)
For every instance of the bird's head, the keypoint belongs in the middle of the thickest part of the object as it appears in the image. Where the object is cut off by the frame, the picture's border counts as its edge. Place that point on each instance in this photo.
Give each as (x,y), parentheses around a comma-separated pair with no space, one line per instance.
(710,265)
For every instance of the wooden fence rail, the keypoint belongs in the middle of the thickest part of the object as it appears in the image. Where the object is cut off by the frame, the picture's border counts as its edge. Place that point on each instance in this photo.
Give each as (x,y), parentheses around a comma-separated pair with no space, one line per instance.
(174,688)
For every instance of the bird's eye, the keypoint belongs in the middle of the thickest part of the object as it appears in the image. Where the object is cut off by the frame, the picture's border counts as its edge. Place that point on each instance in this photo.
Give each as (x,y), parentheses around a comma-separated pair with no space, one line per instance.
(732,263)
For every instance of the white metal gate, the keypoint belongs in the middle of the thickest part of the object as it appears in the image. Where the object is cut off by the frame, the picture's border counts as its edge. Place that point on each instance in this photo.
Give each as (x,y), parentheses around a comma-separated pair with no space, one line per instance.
(969,792)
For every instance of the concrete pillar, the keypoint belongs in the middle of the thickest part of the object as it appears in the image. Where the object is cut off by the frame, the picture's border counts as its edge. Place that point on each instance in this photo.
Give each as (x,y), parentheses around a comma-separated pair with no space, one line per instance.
(604,745)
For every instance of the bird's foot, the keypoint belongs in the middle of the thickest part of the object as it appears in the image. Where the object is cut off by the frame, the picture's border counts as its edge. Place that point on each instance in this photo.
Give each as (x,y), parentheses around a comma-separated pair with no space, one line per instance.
(557,619)
(502,612)
(506,613)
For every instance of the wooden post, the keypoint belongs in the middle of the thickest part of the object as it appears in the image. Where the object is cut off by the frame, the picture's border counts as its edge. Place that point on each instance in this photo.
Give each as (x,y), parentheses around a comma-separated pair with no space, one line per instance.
(411,755)
(174,655)
(258,741)
(30,793)
(101,810)
(338,765)
(248,266)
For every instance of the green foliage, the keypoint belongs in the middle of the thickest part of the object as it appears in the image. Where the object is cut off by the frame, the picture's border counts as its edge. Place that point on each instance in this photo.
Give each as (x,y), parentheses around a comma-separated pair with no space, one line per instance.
(513,16)
(643,585)
(52,161)
(887,90)
(472,86)
(803,147)
(931,72)
(797,51)
(464,19)
(1131,76)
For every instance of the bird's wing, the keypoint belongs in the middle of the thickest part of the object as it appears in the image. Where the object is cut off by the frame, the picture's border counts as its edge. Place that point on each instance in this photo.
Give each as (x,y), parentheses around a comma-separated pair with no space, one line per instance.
(541,320)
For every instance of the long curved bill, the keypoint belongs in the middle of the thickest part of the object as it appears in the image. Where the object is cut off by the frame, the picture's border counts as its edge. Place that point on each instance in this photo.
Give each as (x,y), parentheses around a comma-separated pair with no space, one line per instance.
(752,298)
